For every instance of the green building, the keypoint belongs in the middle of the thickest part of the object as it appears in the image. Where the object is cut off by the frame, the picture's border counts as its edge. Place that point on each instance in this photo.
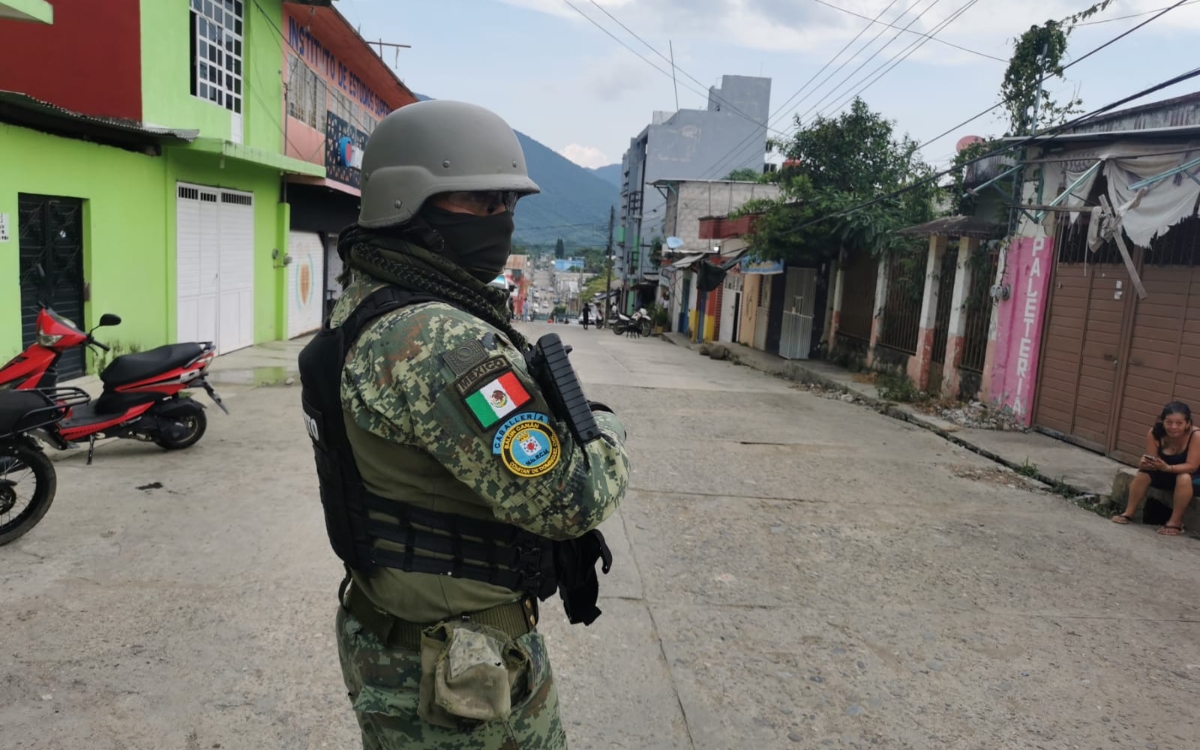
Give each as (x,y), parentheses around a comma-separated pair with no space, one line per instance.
(144,170)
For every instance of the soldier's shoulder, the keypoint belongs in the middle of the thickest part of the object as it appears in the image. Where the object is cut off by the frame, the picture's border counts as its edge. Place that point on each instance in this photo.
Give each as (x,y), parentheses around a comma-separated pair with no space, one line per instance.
(426,325)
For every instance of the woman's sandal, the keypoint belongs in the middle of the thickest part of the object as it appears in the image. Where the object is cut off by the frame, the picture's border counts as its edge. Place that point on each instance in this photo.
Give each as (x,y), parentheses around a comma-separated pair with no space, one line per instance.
(1169,530)
(1124,519)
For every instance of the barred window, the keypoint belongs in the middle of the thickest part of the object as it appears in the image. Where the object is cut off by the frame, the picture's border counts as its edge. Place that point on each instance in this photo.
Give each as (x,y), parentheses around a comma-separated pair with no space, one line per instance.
(216,34)
(306,94)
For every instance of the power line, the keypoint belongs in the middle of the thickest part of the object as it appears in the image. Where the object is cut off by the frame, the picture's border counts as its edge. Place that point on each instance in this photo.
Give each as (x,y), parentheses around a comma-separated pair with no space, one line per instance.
(741,147)
(902,56)
(918,33)
(649,62)
(674,66)
(1159,14)
(1000,151)
(1135,15)
(864,62)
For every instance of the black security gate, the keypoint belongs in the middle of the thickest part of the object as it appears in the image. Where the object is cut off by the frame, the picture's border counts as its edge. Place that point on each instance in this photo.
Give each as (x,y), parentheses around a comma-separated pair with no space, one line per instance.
(51,238)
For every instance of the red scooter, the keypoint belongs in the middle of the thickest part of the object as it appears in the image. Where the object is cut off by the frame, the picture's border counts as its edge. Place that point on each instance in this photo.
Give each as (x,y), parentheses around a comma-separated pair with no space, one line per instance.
(142,392)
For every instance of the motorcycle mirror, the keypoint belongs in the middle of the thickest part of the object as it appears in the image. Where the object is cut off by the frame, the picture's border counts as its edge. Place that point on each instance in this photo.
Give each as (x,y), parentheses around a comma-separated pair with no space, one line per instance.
(108,319)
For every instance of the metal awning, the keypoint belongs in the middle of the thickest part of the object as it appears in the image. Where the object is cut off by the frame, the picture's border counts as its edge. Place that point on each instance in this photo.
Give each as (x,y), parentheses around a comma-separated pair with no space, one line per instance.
(21,109)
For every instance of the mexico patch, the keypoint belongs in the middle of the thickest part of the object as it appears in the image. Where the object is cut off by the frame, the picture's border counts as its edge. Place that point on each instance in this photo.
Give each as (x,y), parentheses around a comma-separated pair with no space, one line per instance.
(527,445)
(498,399)
(489,369)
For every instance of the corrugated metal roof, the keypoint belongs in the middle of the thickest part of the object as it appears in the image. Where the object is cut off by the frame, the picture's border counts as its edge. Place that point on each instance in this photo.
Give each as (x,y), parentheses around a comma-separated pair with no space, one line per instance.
(27,110)
(1178,117)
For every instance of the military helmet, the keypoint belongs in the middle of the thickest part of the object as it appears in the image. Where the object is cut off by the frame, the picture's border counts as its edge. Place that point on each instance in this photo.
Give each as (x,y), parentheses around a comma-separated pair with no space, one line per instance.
(434,147)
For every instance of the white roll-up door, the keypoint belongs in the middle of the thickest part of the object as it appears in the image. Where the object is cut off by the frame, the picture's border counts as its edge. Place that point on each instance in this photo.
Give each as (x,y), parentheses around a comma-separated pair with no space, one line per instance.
(214,270)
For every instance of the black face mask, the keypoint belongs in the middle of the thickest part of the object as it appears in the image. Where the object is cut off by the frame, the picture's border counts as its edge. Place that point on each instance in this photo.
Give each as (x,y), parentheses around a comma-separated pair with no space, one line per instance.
(480,244)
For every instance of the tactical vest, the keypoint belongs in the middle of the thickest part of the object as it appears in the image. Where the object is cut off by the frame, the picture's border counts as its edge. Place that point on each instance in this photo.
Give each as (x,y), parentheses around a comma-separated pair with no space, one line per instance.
(486,551)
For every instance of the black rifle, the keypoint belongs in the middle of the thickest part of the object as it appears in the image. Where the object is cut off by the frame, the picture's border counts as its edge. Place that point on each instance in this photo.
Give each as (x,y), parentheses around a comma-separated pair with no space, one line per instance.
(550,367)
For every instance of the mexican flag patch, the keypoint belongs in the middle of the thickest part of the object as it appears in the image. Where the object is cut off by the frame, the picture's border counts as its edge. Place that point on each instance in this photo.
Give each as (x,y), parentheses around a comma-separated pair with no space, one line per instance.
(498,399)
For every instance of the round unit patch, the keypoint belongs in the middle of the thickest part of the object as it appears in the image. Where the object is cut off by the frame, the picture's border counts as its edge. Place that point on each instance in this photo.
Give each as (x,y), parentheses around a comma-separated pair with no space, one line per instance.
(530,448)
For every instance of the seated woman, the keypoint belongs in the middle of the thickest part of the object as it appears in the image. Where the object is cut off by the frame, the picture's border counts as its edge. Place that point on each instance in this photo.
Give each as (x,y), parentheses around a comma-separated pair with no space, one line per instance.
(1171,458)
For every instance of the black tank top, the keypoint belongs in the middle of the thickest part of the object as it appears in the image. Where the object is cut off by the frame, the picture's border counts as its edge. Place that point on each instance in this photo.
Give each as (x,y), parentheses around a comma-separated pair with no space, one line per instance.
(1177,458)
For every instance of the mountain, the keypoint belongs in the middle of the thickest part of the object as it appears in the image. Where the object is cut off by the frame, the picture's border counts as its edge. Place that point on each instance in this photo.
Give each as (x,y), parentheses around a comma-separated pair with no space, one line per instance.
(611,173)
(573,204)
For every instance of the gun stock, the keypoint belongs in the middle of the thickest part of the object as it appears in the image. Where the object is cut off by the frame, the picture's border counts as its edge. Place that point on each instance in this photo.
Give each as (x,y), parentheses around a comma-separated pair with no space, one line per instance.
(552,369)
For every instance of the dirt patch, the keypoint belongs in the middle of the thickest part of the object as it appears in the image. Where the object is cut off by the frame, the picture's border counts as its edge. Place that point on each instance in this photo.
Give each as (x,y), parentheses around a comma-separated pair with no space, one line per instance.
(975,414)
(999,476)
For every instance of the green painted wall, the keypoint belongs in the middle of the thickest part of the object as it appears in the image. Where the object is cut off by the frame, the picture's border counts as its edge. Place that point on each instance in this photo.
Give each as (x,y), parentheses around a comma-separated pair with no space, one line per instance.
(129,231)
(166,79)
(203,169)
(124,230)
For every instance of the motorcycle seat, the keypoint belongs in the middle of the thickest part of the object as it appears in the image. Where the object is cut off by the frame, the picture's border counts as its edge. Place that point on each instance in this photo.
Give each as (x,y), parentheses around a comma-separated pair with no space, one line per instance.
(130,368)
(16,405)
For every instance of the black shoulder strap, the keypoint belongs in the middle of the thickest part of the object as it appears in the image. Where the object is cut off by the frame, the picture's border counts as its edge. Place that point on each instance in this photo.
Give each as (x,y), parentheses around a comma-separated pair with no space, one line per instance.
(377,303)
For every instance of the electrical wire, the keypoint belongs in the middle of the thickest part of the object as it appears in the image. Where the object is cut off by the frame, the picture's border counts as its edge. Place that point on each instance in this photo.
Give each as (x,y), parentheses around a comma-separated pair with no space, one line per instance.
(742,146)
(1159,14)
(649,62)
(1000,151)
(918,33)
(863,64)
(668,60)
(1134,15)
(900,57)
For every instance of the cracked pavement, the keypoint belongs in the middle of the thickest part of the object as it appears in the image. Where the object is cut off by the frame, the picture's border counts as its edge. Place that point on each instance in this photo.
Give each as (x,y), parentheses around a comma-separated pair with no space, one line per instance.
(791,571)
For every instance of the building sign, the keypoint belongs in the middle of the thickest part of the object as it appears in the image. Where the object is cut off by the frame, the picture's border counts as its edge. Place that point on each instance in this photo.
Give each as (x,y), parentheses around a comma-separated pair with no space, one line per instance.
(344,144)
(309,49)
(348,154)
(751,264)
(1019,324)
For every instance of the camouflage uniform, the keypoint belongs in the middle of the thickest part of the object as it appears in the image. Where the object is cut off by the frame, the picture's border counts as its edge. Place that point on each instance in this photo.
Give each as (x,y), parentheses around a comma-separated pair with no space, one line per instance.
(416,440)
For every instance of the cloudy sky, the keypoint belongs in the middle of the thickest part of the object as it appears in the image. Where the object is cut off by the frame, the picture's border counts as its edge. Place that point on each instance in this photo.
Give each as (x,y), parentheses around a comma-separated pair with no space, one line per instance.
(557,77)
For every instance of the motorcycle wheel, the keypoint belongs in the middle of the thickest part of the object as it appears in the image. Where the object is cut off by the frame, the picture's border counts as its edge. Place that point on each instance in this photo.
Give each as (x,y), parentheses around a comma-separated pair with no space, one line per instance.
(617,329)
(644,328)
(25,472)
(196,423)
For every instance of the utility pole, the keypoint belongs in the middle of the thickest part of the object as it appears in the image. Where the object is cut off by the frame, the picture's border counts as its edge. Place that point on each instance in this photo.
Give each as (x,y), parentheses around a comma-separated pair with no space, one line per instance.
(673,79)
(608,260)
(1019,176)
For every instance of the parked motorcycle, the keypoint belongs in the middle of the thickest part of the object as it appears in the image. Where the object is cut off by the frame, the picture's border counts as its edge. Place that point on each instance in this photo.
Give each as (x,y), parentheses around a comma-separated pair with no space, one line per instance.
(142,392)
(27,477)
(639,321)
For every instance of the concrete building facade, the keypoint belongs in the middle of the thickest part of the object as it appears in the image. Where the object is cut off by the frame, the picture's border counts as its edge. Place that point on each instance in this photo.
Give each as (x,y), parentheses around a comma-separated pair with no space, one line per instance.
(695,144)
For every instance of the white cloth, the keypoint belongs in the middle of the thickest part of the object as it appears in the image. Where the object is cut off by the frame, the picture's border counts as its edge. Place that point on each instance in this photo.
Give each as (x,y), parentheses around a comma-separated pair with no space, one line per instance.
(1163,204)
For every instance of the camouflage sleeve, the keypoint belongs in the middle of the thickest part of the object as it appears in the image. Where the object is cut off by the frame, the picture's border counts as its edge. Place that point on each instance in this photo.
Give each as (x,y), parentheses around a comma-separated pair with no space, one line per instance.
(439,379)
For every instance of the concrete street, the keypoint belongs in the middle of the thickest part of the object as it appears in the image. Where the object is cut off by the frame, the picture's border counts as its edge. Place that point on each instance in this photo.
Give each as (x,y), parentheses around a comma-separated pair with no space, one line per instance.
(792,571)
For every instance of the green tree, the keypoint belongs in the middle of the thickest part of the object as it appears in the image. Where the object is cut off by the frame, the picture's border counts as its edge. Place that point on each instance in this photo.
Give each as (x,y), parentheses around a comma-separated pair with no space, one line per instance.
(1037,59)
(842,162)
(560,249)
(744,175)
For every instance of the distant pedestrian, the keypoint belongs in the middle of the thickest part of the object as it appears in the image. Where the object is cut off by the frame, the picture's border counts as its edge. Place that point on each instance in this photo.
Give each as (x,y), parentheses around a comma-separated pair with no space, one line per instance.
(587,316)
(1171,459)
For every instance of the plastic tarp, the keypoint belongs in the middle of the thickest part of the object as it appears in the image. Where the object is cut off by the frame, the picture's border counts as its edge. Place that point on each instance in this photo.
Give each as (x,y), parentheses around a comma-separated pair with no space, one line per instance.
(1163,204)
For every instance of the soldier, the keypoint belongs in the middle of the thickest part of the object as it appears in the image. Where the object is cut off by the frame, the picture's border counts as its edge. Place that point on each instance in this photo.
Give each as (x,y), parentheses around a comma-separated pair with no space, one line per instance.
(453,491)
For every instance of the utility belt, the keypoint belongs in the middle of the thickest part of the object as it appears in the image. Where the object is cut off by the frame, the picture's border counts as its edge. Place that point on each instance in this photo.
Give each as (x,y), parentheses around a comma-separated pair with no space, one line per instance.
(514,619)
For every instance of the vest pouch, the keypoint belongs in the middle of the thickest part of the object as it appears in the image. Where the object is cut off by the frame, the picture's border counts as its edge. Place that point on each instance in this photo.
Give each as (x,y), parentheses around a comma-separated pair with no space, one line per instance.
(468,672)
